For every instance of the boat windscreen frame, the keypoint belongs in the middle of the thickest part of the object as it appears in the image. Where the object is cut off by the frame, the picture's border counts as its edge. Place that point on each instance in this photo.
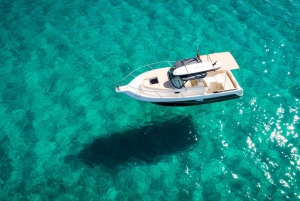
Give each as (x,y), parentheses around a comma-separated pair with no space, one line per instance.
(170,74)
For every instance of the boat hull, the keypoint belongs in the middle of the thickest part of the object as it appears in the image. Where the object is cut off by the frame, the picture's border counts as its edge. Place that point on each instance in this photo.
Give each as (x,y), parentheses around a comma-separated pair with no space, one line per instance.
(182,100)
(158,85)
(194,102)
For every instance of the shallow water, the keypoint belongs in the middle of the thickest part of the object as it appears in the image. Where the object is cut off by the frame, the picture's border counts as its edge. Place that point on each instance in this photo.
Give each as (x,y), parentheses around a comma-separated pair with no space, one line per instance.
(66,134)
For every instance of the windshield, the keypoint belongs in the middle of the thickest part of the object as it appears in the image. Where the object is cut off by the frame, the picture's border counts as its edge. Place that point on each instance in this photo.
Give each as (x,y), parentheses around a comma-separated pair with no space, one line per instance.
(171,72)
(176,81)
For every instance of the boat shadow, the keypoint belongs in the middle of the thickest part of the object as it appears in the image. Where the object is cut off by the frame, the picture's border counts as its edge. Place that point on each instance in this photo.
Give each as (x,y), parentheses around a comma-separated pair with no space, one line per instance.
(147,144)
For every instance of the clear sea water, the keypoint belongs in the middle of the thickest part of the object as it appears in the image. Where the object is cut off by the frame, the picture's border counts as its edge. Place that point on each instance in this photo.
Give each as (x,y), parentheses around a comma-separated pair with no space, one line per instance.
(66,135)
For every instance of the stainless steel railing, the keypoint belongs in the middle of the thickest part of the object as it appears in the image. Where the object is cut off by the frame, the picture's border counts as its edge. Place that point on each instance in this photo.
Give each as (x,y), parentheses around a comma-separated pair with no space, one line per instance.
(142,69)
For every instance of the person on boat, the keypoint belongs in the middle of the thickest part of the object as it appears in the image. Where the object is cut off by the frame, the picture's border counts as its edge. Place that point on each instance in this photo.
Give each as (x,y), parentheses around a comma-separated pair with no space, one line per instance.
(198,56)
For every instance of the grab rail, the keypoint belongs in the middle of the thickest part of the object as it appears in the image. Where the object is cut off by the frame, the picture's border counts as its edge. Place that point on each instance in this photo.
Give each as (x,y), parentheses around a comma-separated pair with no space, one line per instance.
(149,66)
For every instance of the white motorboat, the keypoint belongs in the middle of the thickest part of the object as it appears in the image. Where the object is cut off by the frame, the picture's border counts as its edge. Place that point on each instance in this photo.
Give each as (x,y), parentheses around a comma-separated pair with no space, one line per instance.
(191,81)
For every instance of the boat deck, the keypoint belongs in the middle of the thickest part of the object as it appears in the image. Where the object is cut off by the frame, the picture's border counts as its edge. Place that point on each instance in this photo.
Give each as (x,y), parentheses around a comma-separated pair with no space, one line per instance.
(163,79)
(213,82)
(219,81)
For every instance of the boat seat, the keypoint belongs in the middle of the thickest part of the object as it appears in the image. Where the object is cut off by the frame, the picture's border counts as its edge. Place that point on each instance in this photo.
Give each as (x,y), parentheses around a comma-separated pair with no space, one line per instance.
(206,83)
(194,82)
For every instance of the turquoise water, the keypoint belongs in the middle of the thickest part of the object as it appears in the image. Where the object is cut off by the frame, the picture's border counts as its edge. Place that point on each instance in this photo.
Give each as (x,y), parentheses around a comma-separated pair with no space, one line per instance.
(66,135)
